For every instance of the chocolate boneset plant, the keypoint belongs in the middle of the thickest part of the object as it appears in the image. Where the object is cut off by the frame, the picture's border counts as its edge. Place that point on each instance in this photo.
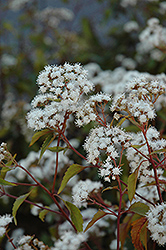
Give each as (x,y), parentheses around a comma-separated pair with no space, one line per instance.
(65,93)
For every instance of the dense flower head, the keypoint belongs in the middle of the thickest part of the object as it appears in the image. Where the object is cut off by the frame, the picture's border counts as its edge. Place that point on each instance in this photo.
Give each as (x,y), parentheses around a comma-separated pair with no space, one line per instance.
(104,142)
(157,223)
(3,151)
(139,98)
(154,35)
(155,143)
(89,110)
(70,241)
(82,190)
(53,16)
(4,221)
(60,91)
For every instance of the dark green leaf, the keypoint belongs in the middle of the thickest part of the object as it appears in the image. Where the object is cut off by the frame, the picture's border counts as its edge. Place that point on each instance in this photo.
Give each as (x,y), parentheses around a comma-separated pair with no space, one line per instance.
(76,216)
(139,208)
(71,171)
(132,181)
(56,149)
(39,134)
(17,204)
(46,144)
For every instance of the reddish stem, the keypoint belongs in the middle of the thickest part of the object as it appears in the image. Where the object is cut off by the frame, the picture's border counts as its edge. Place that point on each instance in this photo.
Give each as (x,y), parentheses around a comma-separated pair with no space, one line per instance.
(119,213)
(56,167)
(95,202)
(10,240)
(34,204)
(154,167)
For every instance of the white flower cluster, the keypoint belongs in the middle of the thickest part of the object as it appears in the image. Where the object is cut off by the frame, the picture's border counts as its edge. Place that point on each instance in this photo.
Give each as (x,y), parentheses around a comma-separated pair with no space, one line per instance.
(157,223)
(162,7)
(53,16)
(16,5)
(70,241)
(4,221)
(153,36)
(114,82)
(126,3)
(105,141)
(139,98)
(88,111)
(3,151)
(131,26)
(28,242)
(60,91)
(8,60)
(82,190)
(155,143)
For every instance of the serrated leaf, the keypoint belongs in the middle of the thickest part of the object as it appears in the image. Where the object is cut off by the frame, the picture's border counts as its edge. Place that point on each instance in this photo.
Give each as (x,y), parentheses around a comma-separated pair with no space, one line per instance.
(6,183)
(143,235)
(76,216)
(100,214)
(139,208)
(43,213)
(17,204)
(46,144)
(135,232)
(39,134)
(71,171)
(56,149)
(132,181)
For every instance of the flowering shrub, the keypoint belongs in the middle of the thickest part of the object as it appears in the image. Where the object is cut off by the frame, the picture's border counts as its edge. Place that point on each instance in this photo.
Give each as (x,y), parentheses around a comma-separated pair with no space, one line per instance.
(98,180)
(66,98)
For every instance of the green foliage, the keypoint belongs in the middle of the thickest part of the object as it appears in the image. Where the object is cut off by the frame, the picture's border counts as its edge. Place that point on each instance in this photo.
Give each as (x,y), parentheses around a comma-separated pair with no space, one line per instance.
(39,134)
(71,171)
(132,181)
(76,216)
(18,202)
(6,183)
(43,214)
(46,144)
(4,170)
(57,149)
(139,208)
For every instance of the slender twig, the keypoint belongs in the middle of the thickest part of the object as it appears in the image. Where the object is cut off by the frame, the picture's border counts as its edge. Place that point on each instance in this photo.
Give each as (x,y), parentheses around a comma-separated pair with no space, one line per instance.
(119,213)
(154,167)
(56,167)
(10,240)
